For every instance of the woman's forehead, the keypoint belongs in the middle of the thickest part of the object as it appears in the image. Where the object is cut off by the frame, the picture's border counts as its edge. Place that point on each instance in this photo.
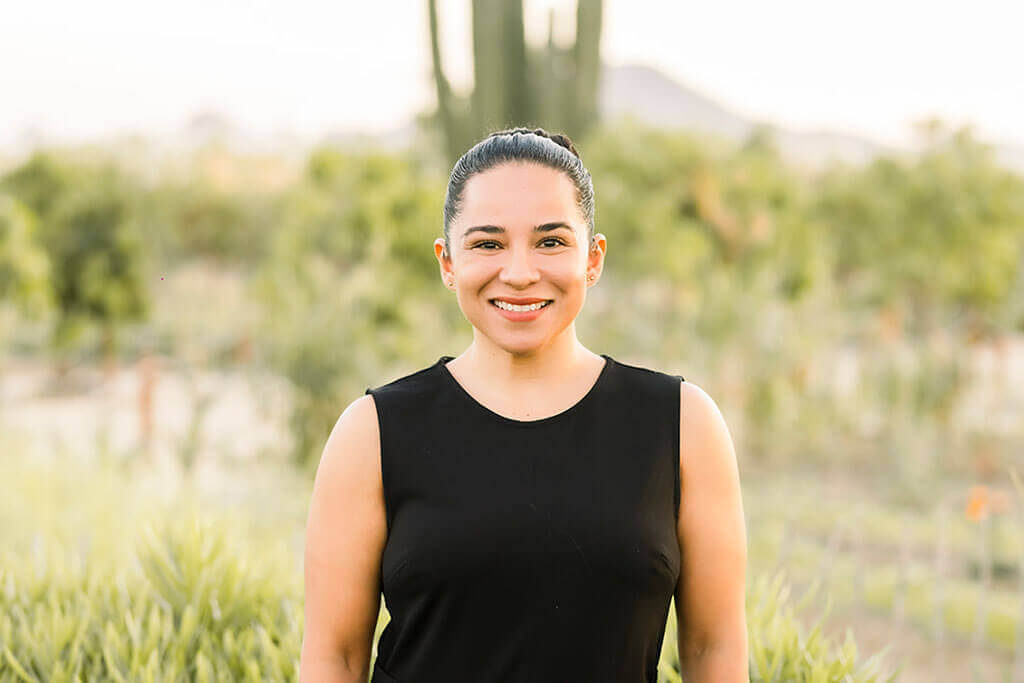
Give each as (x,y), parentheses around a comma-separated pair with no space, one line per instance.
(519,193)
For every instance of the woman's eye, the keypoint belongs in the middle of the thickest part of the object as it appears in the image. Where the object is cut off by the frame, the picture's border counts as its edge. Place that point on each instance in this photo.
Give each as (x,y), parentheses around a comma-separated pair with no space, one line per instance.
(558,241)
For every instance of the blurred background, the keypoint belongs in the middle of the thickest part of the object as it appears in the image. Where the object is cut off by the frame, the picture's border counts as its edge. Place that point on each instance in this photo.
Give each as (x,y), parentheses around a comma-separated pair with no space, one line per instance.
(216,228)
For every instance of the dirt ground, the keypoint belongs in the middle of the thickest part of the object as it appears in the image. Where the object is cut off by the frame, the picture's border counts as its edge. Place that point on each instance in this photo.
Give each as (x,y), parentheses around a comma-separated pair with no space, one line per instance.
(87,413)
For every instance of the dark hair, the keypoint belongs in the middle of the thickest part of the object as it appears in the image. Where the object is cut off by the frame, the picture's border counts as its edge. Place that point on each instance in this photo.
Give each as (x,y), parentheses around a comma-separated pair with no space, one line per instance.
(520,145)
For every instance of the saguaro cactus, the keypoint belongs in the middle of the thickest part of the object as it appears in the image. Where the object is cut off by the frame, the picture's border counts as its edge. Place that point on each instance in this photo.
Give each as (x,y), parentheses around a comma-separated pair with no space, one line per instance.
(445,104)
(587,57)
(515,84)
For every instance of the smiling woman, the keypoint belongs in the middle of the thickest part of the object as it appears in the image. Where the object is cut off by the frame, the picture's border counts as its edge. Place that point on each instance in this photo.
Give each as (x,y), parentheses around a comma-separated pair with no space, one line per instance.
(520,505)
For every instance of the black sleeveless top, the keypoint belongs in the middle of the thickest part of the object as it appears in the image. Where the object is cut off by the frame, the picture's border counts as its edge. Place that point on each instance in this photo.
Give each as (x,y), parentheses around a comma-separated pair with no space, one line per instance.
(528,551)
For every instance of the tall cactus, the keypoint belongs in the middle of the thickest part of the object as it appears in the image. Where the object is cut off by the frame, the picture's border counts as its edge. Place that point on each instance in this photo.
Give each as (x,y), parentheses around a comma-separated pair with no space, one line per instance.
(553,77)
(587,56)
(489,85)
(515,84)
(445,114)
(519,107)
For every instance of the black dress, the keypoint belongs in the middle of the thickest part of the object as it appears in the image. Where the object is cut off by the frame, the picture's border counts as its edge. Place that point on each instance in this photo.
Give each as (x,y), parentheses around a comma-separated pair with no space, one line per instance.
(528,551)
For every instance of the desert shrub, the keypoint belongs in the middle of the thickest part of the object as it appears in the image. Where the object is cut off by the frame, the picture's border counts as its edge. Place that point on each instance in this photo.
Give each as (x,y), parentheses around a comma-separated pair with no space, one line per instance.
(194,605)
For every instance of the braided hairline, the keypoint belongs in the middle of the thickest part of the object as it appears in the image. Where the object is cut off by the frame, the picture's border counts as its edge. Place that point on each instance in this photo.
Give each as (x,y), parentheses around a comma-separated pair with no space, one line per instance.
(557,138)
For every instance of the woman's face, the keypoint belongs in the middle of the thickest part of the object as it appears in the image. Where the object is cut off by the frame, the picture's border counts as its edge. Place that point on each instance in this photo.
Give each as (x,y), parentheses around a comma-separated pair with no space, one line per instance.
(533,244)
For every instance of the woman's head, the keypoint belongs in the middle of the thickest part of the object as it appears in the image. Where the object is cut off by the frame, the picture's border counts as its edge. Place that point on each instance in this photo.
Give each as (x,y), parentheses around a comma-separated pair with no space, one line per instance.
(519,225)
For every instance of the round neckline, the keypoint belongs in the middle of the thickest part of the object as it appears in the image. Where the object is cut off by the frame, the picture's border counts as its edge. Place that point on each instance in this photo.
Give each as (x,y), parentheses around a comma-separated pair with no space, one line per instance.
(442,366)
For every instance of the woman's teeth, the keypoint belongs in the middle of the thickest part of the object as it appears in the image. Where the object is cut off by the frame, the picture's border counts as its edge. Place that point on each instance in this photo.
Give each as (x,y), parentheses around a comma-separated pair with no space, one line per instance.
(516,307)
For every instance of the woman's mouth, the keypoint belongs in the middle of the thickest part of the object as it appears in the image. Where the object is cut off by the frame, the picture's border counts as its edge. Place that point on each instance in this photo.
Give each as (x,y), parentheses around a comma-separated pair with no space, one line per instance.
(520,313)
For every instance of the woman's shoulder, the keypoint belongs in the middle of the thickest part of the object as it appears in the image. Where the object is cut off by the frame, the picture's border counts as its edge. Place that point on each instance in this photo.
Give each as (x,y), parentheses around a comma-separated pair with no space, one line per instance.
(354,441)
(696,402)
(704,435)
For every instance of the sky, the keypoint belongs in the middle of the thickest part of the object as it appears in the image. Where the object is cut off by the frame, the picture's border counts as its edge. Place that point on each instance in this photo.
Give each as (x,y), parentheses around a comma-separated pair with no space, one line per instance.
(75,71)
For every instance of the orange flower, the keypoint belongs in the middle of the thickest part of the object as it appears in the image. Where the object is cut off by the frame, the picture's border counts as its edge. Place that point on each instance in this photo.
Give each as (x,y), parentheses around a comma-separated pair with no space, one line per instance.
(978,503)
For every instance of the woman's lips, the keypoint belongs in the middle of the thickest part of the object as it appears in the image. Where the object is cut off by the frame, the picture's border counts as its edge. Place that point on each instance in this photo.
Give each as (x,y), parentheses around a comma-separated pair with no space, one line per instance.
(520,316)
(520,301)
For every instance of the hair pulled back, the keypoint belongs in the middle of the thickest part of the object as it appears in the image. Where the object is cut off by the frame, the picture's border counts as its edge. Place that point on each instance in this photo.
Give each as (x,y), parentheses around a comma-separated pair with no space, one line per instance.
(520,145)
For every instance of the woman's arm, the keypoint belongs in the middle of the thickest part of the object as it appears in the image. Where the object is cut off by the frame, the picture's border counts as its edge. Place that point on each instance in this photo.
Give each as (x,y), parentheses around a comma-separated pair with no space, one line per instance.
(345,536)
(710,596)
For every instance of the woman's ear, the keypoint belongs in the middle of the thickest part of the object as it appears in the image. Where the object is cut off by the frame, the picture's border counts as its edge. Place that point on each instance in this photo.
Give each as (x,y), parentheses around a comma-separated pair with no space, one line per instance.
(443,259)
(595,256)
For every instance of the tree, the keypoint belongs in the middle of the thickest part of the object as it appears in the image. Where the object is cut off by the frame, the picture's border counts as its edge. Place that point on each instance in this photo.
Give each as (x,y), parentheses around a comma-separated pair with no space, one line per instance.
(940,232)
(96,250)
(38,183)
(24,265)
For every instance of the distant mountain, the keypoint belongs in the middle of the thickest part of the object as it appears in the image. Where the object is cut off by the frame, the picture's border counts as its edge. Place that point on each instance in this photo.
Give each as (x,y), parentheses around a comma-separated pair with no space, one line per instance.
(653,98)
(657,100)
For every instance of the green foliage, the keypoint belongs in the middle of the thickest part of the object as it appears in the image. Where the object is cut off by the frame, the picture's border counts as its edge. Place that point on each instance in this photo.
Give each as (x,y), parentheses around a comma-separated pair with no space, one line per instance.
(952,598)
(195,607)
(942,229)
(752,270)
(354,208)
(207,222)
(782,650)
(780,647)
(106,575)
(685,210)
(349,283)
(24,265)
(97,252)
(336,332)
(40,182)
(89,230)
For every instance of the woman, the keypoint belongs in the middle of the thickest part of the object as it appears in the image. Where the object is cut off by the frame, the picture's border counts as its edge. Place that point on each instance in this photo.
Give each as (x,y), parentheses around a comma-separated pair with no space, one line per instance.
(529,508)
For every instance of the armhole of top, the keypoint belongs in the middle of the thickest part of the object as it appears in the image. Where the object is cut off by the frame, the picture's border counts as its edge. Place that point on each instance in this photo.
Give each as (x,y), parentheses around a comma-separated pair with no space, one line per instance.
(380,456)
(678,449)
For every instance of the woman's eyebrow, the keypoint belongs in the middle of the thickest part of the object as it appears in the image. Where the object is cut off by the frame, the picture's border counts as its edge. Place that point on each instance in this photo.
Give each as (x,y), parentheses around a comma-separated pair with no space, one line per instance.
(497,229)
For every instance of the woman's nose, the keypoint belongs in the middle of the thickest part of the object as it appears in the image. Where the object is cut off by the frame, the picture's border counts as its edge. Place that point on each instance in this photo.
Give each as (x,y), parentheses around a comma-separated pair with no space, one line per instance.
(519,266)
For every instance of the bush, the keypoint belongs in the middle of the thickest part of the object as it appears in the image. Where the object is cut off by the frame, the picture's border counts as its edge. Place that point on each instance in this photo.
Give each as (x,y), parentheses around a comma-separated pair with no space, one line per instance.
(194,606)
(781,649)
